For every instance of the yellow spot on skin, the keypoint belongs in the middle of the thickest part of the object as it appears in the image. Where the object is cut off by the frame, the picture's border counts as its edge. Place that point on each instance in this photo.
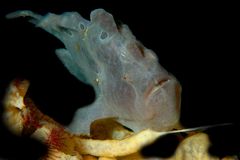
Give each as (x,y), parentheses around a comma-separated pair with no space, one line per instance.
(77,47)
(97,80)
(85,34)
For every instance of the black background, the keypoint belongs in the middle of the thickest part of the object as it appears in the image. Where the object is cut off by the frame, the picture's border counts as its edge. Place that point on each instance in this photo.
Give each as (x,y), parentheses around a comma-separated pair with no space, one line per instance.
(196,42)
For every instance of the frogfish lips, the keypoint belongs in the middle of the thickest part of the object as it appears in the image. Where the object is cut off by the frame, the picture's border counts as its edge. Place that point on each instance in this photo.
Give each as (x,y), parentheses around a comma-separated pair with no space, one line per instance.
(163,98)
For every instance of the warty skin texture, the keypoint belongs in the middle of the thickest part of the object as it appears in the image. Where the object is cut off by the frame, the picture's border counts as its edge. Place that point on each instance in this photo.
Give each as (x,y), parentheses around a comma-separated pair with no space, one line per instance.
(129,82)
